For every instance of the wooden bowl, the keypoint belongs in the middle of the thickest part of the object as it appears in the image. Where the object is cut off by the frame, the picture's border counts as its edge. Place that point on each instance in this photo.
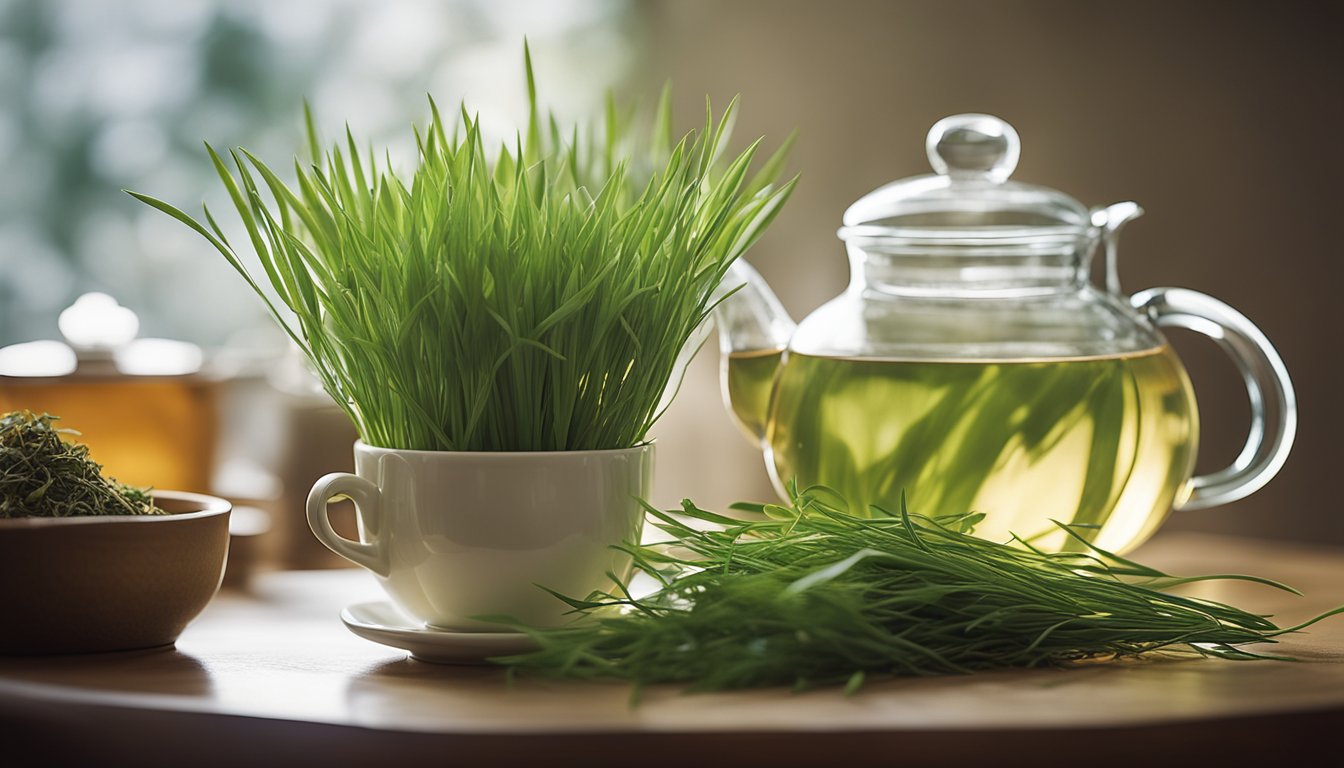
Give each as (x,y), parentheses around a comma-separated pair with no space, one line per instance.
(120,582)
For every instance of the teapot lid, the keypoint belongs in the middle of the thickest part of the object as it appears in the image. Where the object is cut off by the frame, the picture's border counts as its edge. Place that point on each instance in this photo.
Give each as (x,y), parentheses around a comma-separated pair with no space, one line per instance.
(969,197)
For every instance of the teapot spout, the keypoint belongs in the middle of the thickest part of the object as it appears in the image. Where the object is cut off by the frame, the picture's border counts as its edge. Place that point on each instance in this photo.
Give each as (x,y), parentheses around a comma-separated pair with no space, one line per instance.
(750,319)
(754,330)
(749,316)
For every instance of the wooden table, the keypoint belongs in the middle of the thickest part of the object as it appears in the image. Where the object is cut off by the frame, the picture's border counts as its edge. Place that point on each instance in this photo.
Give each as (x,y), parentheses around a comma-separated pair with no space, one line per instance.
(269,676)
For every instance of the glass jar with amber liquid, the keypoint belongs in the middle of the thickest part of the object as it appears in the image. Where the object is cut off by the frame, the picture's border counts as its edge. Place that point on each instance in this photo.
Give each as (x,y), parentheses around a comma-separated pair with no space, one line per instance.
(144,407)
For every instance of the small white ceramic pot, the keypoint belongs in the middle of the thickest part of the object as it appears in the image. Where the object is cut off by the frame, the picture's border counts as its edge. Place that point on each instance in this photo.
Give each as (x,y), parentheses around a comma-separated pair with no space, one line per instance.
(458,537)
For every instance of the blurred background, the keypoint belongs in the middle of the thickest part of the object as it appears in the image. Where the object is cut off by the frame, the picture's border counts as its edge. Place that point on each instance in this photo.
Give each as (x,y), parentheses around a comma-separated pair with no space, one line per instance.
(1220,118)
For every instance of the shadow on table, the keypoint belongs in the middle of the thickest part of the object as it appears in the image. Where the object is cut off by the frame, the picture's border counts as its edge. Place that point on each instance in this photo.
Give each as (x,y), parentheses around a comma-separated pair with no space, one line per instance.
(164,670)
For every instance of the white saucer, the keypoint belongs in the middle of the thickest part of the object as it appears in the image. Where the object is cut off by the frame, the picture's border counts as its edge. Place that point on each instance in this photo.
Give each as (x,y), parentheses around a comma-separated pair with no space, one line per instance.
(381,622)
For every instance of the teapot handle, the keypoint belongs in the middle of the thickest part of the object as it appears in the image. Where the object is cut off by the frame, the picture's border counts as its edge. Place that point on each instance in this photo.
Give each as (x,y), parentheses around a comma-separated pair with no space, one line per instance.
(1273,403)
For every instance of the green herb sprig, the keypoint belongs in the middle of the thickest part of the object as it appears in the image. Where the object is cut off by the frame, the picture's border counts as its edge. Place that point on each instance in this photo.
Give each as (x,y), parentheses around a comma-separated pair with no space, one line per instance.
(537,296)
(810,594)
(43,474)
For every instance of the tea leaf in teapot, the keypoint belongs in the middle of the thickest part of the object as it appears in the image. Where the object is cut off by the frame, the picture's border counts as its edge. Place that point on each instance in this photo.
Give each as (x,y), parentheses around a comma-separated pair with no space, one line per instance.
(43,474)
(821,596)
(1098,442)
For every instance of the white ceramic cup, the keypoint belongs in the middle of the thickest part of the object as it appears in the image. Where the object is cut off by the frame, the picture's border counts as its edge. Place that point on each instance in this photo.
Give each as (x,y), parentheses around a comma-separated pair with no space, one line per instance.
(457,535)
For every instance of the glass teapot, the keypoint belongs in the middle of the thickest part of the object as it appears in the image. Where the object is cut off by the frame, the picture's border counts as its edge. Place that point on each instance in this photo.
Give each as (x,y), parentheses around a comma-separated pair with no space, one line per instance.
(973,365)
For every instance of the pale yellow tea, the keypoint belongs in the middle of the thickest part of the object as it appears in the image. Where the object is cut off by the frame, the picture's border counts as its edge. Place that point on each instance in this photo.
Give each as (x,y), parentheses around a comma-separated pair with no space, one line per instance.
(1103,443)
(747,378)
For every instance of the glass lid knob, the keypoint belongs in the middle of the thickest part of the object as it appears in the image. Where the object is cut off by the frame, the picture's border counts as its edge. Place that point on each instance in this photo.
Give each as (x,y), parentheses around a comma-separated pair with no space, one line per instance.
(973,146)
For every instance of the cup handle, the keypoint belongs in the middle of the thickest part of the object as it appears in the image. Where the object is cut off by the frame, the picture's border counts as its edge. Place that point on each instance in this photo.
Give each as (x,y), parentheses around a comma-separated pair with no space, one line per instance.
(1273,403)
(365,496)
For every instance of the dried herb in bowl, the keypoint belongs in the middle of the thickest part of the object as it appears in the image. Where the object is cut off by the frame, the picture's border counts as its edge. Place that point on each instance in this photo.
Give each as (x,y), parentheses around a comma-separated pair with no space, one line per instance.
(812,594)
(43,474)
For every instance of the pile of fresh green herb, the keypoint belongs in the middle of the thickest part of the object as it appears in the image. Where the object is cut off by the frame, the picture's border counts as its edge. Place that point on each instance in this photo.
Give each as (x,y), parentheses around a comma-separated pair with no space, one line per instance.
(537,296)
(810,594)
(42,474)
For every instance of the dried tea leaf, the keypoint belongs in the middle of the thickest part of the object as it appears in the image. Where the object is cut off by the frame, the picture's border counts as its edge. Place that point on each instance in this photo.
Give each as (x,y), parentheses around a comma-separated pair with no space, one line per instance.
(43,474)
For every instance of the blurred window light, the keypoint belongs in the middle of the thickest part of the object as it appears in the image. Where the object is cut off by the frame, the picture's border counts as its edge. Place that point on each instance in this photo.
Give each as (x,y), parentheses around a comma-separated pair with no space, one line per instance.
(97,97)
(97,321)
(158,357)
(38,358)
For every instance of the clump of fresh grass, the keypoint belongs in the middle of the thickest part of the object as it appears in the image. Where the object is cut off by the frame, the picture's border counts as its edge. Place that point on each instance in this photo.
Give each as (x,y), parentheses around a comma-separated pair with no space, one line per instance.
(44,472)
(540,296)
(811,594)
